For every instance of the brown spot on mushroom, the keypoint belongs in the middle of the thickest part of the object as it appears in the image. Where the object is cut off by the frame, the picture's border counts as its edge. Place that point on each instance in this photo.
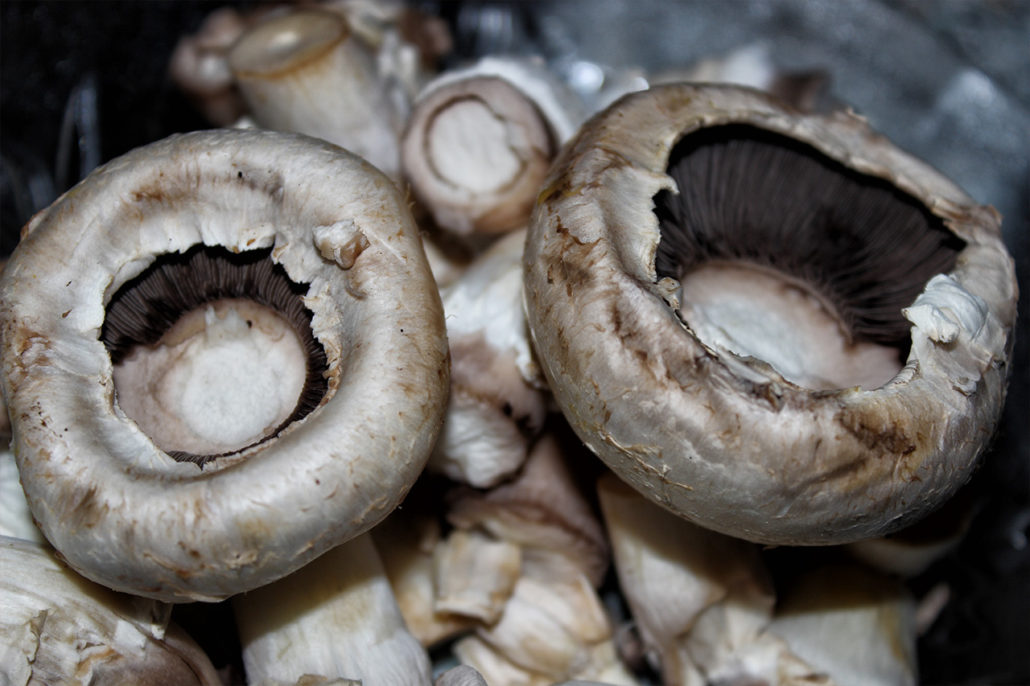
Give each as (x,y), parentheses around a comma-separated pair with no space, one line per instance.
(882,435)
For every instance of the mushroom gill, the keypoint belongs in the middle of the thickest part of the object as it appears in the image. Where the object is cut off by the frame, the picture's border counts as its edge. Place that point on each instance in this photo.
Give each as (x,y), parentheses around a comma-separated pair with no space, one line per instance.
(790,257)
(213,351)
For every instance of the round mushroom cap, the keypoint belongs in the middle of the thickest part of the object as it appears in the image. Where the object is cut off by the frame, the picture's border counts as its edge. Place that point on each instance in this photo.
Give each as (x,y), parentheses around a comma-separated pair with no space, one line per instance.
(126,513)
(907,266)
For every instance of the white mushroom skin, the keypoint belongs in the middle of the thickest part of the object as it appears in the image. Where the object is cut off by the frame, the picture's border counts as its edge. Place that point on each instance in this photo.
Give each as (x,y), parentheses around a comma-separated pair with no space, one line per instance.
(724,440)
(58,628)
(120,510)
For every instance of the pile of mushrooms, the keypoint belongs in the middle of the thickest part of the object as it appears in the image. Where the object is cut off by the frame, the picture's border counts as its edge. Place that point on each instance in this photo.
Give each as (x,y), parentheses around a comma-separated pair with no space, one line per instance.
(230,355)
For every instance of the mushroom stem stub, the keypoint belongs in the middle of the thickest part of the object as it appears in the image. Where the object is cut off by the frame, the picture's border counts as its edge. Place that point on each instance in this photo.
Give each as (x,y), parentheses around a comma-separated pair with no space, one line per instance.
(774,324)
(225,354)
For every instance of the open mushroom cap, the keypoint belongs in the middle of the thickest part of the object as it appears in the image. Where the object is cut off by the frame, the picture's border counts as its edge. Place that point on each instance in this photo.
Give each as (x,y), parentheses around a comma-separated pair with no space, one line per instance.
(671,381)
(137,517)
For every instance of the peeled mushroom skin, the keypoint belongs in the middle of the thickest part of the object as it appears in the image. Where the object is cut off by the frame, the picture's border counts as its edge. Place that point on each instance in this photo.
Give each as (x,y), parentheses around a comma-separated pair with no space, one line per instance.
(122,510)
(677,398)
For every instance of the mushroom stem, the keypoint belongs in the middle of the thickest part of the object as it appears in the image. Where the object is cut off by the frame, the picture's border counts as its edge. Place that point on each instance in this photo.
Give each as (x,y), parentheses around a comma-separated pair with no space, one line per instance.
(305,71)
(57,627)
(336,618)
(479,141)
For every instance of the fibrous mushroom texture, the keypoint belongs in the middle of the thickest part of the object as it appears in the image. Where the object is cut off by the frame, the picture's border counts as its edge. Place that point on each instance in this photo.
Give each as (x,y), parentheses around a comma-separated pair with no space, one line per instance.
(776,325)
(225,354)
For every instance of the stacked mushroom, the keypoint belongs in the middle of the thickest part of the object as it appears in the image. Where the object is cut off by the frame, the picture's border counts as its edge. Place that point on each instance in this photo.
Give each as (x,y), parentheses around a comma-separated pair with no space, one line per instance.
(774,326)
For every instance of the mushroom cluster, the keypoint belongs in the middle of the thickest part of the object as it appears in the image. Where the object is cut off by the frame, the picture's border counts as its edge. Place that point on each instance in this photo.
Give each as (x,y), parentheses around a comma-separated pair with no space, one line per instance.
(230,355)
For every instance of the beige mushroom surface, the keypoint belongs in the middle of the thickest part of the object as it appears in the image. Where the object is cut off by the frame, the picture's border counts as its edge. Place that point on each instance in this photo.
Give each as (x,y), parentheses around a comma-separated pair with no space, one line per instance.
(205,524)
(705,415)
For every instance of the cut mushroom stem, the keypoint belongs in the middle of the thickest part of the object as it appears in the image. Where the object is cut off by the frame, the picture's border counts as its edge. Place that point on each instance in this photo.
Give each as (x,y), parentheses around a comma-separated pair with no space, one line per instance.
(58,628)
(479,141)
(777,325)
(305,71)
(334,619)
(224,354)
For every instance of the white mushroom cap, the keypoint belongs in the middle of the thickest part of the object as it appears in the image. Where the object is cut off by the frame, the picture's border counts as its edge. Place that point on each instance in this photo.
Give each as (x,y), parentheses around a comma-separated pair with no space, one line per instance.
(722,438)
(118,508)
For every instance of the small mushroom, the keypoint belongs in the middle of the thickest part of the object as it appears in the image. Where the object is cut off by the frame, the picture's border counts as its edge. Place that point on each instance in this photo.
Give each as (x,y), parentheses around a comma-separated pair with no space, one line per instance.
(305,71)
(480,139)
(776,325)
(250,229)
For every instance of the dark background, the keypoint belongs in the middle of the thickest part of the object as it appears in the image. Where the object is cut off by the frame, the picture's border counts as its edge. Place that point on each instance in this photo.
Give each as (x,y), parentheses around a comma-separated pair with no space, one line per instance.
(82,82)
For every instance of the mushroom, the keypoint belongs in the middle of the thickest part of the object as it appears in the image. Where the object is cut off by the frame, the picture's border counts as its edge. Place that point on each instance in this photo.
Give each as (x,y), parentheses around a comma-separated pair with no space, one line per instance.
(199,67)
(406,542)
(278,227)
(497,404)
(305,71)
(695,595)
(58,628)
(852,625)
(776,325)
(480,139)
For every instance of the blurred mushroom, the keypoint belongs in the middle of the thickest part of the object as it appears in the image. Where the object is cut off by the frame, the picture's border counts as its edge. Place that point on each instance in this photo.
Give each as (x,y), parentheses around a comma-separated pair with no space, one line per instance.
(475,574)
(852,625)
(553,628)
(776,325)
(480,139)
(200,68)
(462,675)
(58,628)
(305,71)
(278,227)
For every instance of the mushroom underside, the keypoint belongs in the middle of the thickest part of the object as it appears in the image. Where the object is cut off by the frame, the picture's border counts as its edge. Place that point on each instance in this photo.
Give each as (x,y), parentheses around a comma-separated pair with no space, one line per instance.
(213,352)
(787,256)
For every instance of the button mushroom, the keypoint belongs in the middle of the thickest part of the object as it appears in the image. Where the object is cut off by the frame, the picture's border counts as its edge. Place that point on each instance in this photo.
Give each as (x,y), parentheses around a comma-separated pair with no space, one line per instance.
(777,325)
(281,228)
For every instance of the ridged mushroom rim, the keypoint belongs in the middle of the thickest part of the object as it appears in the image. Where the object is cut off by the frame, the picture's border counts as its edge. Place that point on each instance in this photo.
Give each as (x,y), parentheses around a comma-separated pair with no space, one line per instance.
(710,429)
(124,511)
